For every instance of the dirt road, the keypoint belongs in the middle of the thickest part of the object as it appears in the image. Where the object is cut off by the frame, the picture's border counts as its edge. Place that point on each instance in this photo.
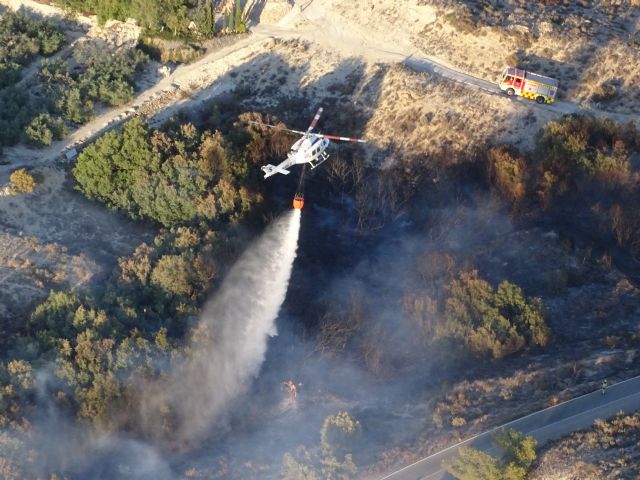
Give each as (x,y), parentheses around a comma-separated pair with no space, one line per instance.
(184,82)
(345,41)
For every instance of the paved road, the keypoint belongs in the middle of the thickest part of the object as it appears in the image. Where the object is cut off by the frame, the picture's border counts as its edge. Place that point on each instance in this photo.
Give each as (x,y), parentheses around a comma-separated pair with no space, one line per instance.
(548,424)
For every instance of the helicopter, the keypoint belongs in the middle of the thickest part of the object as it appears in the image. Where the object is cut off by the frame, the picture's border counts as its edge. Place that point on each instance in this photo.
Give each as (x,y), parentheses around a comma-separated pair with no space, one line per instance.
(309,149)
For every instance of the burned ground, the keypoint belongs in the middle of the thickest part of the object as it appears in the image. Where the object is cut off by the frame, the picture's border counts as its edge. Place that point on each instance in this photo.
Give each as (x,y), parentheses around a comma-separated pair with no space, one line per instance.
(364,231)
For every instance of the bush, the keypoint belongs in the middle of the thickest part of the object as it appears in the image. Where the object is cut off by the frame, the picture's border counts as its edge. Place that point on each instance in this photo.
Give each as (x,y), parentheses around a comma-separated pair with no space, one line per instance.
(472,464)
(518,448)
(334,460)
(458,422)
(23,37)
(577,148)
(16,111)
(625,225)
(15,465)
(496,322)
(338,434)
(507,171)
(22,181)
(173,178)
(43,129)
(107,79)
(604,92)
(167,17)
(462,20)
(9,73)
(172,273)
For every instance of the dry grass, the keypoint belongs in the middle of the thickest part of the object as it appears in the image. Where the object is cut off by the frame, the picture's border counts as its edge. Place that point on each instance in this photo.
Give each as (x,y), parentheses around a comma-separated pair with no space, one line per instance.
(54,239)
(421,114)
(29,269)
(607,450)
(586,48)
(587,45)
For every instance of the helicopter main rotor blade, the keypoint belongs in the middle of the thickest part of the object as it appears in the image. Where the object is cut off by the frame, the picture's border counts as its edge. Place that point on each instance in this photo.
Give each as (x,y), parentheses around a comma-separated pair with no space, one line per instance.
(277,128)
(344,139)
(315,120)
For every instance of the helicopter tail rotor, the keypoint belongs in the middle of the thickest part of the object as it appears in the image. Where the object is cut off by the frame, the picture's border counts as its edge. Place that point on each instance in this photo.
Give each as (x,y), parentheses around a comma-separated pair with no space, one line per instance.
(314,122)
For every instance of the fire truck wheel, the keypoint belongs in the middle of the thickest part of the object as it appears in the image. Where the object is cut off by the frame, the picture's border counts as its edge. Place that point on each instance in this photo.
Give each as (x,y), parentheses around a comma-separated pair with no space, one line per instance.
(511,92)
(540,100)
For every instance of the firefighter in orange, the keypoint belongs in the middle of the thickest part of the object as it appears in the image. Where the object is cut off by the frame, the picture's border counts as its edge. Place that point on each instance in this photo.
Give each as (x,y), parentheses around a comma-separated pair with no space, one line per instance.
(291,389)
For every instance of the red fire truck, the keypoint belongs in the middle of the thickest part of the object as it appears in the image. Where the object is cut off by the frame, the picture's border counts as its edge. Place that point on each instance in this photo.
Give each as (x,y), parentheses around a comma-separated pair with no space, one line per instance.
(516,81)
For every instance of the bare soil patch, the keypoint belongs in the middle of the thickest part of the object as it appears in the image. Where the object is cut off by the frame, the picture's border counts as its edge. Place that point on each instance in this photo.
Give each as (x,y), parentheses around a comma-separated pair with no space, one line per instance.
(56,239)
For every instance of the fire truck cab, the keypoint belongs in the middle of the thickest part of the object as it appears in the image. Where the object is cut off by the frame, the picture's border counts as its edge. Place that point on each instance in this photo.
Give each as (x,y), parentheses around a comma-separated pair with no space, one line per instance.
(515,81)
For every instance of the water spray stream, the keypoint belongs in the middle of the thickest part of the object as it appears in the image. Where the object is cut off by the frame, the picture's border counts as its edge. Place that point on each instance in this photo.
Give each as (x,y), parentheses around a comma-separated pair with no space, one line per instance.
(230,344)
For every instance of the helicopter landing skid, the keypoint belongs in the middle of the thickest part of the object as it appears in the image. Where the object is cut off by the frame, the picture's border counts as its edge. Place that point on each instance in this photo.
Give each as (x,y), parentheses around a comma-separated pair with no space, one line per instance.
(323,157)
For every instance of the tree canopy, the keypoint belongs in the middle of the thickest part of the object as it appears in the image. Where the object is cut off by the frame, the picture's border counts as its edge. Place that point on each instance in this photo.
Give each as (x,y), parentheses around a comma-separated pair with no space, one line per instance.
(519,455)
(22,38)
(493,321)
(173,177)
(173,15)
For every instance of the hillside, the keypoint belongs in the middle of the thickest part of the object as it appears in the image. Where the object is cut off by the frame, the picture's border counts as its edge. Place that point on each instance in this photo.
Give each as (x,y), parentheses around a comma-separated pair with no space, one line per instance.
(472,262)
(589,46)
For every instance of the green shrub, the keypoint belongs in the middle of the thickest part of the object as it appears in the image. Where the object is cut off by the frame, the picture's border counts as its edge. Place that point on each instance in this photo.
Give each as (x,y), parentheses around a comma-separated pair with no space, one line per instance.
(173,16)
(173,178)
(107,79)
(517,447)
(23,37)
(172,273)
(472,464)
(16,111)
(578,148)
(9,73)
(519,455)
(43,129)
(496,322)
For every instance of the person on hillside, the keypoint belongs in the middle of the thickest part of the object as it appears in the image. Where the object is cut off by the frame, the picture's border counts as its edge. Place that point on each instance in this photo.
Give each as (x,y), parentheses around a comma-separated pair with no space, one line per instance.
(604,386)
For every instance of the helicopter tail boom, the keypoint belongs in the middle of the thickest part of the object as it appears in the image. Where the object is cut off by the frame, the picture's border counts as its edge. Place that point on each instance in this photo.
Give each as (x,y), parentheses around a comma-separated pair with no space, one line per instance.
(273,169)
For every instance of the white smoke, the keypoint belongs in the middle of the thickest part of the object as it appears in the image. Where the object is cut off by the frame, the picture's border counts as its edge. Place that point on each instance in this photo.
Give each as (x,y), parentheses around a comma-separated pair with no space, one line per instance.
(229,345)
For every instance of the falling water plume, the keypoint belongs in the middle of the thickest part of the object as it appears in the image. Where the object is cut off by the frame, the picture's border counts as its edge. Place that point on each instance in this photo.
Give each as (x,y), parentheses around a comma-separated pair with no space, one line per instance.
(231,340)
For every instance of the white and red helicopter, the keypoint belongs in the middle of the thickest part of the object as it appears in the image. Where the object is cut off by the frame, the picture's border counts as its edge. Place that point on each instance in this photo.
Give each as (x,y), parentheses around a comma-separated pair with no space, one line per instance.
(309,149)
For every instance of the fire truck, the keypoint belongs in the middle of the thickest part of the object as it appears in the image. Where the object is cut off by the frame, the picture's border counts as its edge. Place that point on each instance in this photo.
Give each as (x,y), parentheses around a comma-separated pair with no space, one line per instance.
(516,81)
